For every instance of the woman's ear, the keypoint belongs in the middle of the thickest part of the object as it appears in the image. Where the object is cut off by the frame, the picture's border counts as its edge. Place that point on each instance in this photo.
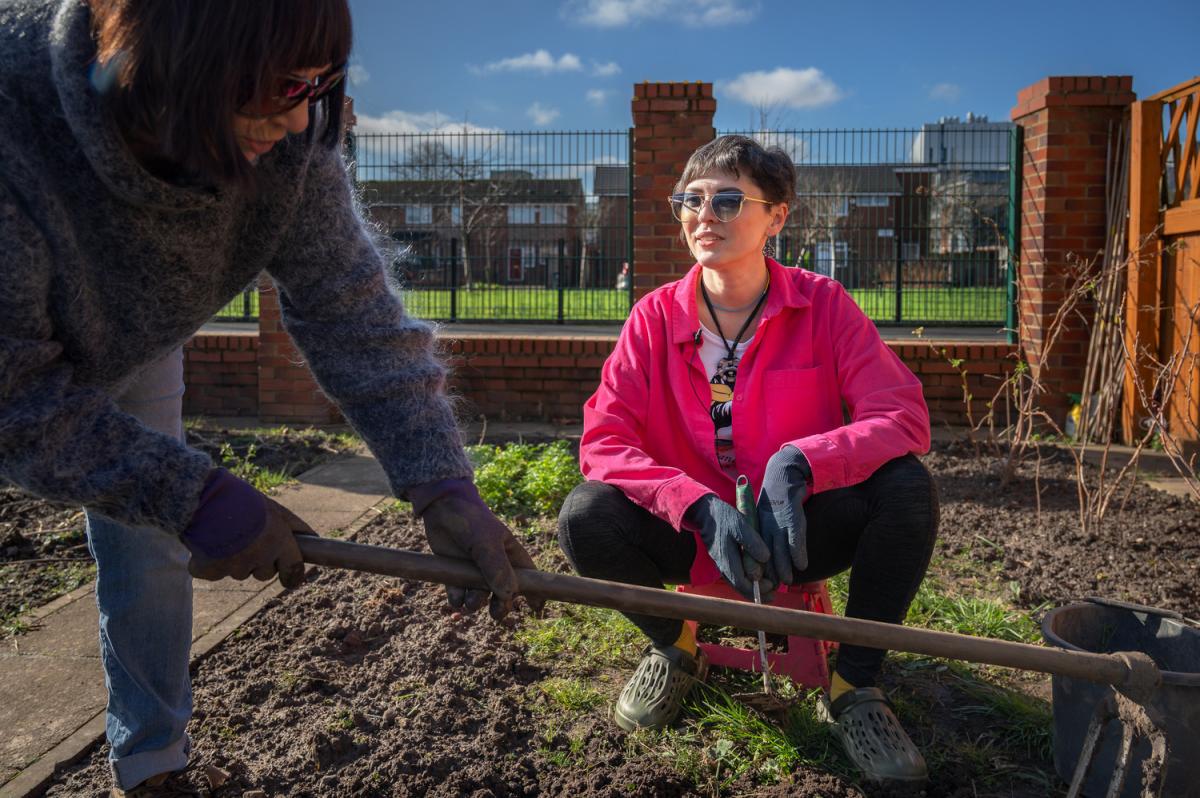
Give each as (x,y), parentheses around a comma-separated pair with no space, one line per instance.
(779,214)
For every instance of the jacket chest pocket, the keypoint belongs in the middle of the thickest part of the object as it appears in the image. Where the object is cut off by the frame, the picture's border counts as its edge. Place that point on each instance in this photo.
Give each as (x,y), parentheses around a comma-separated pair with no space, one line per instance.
(800,402)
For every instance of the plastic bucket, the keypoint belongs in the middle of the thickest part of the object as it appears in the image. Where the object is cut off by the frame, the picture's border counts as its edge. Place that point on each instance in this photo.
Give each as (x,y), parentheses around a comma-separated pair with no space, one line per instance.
(1104,626)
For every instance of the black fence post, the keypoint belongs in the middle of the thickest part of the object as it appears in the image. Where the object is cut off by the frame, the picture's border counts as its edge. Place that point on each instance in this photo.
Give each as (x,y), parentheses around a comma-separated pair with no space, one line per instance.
(558,283)
(899,285)
(453,290)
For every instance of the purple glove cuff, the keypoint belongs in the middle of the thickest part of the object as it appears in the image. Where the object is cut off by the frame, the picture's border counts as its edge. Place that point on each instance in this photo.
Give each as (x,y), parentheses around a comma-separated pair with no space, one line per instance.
(231,515)
(422,496)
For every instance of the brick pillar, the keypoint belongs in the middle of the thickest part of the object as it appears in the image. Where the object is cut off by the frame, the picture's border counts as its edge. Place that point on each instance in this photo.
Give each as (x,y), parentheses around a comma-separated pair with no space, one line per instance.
(287,391)
(670,121)
(1066,122)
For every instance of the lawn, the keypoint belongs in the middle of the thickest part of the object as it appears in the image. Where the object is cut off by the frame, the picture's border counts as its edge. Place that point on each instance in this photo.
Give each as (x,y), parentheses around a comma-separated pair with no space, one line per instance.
(534,303)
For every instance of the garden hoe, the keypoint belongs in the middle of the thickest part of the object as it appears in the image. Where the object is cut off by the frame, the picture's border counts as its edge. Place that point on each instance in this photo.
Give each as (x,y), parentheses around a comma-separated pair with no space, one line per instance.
(1141,699)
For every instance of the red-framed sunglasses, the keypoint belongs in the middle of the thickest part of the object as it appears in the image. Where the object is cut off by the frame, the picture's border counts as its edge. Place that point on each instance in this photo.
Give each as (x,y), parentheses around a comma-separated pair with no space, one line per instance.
(288,92)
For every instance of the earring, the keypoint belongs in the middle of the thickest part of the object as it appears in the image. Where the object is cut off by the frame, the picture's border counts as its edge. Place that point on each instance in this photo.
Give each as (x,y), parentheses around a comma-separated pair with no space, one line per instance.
(769,248)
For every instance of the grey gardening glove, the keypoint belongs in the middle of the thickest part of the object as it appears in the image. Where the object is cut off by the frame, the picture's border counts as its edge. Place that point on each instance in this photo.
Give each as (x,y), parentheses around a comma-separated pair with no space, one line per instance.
(726,534)
(458,524)
(787,482)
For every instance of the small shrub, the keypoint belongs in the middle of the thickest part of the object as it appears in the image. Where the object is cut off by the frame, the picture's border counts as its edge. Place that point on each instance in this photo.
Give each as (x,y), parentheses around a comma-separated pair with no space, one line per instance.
(525,479)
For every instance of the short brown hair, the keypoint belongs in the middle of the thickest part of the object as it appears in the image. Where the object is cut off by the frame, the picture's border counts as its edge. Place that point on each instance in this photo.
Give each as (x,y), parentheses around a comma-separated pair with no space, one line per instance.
(771,168)
(183,68)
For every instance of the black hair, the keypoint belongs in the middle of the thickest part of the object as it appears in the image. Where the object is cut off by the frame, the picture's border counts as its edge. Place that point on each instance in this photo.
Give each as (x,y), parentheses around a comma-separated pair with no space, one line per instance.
(182,68)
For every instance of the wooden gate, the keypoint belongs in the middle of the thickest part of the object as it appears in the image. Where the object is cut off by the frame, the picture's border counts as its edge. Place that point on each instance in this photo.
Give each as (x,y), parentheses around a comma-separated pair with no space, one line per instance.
(1162,323)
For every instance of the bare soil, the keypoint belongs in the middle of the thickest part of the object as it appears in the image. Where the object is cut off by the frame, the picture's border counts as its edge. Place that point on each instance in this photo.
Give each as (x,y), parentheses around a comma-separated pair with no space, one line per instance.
(43,545)
(354,685)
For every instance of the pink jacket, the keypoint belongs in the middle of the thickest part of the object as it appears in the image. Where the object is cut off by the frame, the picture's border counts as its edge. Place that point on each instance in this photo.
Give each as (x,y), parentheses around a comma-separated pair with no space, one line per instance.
(647,428)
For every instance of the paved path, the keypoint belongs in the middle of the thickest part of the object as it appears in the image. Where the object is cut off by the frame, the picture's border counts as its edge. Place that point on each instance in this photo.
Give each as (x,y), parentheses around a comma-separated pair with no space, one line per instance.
(51,684)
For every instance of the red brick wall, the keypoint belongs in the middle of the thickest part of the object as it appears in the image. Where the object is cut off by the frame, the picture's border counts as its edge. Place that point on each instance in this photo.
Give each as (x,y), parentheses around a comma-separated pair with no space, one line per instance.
(1066,122)
(670,120)
(221,375)
(287,391)
(515,378)
(519,378)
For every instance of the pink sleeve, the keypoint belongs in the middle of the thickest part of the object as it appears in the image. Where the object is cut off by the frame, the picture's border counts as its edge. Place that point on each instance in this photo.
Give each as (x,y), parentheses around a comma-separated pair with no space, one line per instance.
(612,447)
(888,415)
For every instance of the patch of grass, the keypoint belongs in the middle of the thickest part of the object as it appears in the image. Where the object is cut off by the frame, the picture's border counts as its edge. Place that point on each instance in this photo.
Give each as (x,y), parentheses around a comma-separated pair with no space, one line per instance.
(935,607)
(1022,722)
(581,639)
(264,480)
(571,694)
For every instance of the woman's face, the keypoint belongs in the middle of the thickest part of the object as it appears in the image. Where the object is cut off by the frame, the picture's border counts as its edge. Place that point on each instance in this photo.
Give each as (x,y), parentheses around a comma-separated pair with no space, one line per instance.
(257,135)
(721,245)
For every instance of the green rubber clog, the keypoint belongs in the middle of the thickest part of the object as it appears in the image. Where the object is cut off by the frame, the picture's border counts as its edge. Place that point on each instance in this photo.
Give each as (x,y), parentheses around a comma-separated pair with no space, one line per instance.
(872,736)
(654,695)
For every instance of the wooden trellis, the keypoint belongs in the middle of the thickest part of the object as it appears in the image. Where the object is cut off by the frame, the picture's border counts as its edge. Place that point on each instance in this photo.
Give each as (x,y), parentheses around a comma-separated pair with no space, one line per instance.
(1163,303)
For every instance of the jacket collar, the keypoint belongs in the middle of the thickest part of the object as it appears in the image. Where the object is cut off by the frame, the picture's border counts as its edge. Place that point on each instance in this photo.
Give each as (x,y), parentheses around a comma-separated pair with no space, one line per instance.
(785,293)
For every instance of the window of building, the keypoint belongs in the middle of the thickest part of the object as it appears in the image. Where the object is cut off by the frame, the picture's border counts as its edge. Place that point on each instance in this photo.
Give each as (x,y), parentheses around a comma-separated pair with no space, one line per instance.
(456,215)
(871,200)
(537,214)
(831,256)
(910,250)
(418,214)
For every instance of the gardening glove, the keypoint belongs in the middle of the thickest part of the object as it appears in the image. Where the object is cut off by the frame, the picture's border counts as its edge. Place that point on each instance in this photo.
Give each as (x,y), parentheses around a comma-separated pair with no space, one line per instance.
(726,534)
(787,482)
(458,524)
(237,531)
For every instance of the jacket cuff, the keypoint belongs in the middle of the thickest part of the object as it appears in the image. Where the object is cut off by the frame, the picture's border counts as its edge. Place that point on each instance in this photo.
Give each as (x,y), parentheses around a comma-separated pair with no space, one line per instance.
(424,495)
(231,515)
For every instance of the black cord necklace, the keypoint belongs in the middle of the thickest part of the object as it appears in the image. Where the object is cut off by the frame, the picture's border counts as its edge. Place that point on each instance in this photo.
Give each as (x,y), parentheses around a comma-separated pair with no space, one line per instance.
(731,358)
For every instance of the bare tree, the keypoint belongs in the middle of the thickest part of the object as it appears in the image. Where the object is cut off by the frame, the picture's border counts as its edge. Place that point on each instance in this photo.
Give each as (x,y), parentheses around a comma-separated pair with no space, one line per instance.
(453,175)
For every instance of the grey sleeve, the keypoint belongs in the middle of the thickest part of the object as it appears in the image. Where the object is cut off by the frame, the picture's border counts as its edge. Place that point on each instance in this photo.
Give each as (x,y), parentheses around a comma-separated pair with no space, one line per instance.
(374,360)
(68,443)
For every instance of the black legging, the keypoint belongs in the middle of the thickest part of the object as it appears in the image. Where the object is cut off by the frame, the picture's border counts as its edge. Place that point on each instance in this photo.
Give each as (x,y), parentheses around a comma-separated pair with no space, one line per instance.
(882,529)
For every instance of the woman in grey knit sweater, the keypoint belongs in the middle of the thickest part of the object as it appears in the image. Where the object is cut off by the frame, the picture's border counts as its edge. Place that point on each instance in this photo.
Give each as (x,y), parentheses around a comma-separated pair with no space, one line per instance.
(154,158)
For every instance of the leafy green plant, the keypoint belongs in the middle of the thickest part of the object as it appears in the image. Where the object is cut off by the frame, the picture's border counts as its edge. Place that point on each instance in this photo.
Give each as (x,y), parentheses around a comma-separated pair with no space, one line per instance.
(263,479)
(524,479)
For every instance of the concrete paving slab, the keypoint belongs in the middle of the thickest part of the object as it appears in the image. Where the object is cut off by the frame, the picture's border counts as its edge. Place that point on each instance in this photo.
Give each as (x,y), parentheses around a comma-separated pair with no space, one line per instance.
(210,607)
(43,700)
(72,632)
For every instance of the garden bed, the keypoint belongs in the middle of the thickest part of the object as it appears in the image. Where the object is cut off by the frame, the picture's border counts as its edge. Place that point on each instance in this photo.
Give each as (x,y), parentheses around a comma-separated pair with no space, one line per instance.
(362,685)
(43,546)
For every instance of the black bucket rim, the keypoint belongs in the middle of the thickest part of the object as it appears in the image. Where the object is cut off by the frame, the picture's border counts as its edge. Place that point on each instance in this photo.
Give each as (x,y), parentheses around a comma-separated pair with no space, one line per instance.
(1175,678)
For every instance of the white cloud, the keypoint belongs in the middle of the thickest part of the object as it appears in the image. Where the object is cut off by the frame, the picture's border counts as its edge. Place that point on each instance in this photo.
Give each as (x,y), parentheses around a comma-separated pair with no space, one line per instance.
(358,74)
(606,70)
(413,122)
(945,91)
(597,96)
(541,115)
(692,13)
(537,61)
(789,88)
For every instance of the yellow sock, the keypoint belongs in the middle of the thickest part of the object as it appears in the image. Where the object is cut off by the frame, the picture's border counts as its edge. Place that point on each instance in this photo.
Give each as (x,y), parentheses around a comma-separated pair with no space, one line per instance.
(837,686)
(687,640)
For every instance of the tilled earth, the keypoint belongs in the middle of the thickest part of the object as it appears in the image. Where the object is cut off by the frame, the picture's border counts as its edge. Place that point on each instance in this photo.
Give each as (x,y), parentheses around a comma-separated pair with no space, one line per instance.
(43,546)
(358,685)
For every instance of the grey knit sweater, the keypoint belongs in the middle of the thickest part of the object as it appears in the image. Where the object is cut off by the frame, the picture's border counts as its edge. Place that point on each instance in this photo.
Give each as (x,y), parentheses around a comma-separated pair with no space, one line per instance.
(104,269)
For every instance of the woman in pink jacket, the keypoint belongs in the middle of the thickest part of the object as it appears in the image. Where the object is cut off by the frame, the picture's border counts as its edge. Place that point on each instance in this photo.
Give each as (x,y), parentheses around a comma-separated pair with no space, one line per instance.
(743,367)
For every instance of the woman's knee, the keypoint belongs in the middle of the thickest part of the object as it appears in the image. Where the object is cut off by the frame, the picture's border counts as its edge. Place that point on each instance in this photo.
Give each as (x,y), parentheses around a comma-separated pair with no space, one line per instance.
(904,485)
(591,508)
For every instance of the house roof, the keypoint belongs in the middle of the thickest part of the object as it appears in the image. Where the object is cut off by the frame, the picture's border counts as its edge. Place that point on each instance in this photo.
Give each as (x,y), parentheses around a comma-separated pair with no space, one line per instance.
(501,189)
(842,179)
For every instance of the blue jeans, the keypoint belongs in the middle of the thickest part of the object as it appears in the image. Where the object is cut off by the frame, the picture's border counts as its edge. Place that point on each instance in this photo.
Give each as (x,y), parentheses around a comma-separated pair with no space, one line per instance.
(144,594)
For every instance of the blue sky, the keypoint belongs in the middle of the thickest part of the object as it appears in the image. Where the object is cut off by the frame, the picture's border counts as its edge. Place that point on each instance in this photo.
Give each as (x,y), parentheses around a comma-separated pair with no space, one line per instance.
(570,64)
